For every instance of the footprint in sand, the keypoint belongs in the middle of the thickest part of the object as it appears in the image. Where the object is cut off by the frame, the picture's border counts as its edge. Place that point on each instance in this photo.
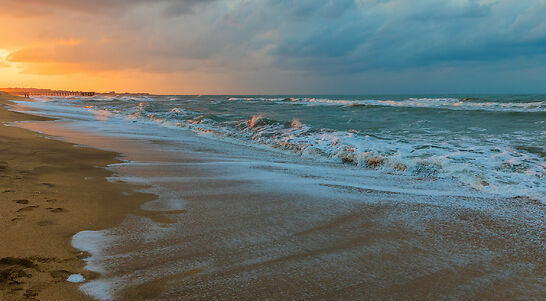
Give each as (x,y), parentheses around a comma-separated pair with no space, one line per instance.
(13,270)
(27,208)
(55,210)
(30,293)
(60,275)
(18,218)
(24,202)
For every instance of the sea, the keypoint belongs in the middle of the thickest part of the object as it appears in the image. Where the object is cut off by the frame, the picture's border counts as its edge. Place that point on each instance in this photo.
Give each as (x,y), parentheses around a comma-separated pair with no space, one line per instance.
(490,143)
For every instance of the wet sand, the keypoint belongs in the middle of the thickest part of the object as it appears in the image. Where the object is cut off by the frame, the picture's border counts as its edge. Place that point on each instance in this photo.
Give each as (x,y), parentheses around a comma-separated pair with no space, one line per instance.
(49,191)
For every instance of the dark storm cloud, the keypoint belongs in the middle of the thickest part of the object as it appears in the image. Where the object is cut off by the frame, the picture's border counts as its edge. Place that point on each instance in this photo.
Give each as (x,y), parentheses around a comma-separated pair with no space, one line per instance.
(393,34)
(19,7)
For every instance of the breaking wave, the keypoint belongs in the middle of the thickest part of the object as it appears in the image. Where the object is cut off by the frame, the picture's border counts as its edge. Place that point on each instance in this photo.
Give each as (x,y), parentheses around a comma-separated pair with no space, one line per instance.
(491,165)
(435,103)
(506,163)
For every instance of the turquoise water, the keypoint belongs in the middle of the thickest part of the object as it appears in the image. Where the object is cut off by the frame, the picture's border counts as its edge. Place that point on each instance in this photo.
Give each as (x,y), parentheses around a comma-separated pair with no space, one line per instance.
(492,143)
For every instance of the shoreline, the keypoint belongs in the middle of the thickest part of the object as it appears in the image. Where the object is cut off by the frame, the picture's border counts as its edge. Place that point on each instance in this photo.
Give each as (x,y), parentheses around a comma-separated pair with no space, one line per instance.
(51,190)
(234,222)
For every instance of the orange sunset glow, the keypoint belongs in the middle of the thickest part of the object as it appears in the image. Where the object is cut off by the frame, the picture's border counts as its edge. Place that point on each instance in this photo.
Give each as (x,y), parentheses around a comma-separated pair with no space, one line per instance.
(56,45)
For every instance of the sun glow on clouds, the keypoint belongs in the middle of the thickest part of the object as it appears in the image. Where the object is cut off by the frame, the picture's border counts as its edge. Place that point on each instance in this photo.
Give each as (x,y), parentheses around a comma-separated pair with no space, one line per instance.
(70,42)
(3,55)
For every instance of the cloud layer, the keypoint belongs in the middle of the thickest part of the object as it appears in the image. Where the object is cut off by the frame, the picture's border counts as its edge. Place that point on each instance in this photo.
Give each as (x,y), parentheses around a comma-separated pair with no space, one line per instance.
(267,41)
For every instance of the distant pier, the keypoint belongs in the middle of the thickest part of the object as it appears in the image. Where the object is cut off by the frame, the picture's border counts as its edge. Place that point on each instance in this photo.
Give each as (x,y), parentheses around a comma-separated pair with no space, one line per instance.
(55,93)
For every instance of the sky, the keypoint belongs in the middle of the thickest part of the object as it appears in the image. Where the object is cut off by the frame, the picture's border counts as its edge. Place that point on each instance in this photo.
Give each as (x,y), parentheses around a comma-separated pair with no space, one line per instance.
(275,46)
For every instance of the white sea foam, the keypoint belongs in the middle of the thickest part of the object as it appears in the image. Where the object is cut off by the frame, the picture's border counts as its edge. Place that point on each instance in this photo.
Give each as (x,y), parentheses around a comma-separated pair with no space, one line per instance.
(100,289)
(493,167)
(436,103)
(93,243)
(90,241)
(75,278)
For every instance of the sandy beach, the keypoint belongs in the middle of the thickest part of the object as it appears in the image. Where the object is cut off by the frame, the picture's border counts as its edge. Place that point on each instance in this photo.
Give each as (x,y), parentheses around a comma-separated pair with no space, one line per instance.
(225,221)
(49,191)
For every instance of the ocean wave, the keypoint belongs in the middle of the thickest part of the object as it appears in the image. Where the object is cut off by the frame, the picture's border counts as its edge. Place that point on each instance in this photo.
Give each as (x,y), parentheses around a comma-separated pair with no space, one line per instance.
(492,165)
(485,162)
(471,104)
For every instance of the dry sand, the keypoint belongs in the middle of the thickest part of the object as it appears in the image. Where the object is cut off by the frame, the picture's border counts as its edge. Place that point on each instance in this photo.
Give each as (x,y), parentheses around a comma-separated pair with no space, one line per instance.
(49,191)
